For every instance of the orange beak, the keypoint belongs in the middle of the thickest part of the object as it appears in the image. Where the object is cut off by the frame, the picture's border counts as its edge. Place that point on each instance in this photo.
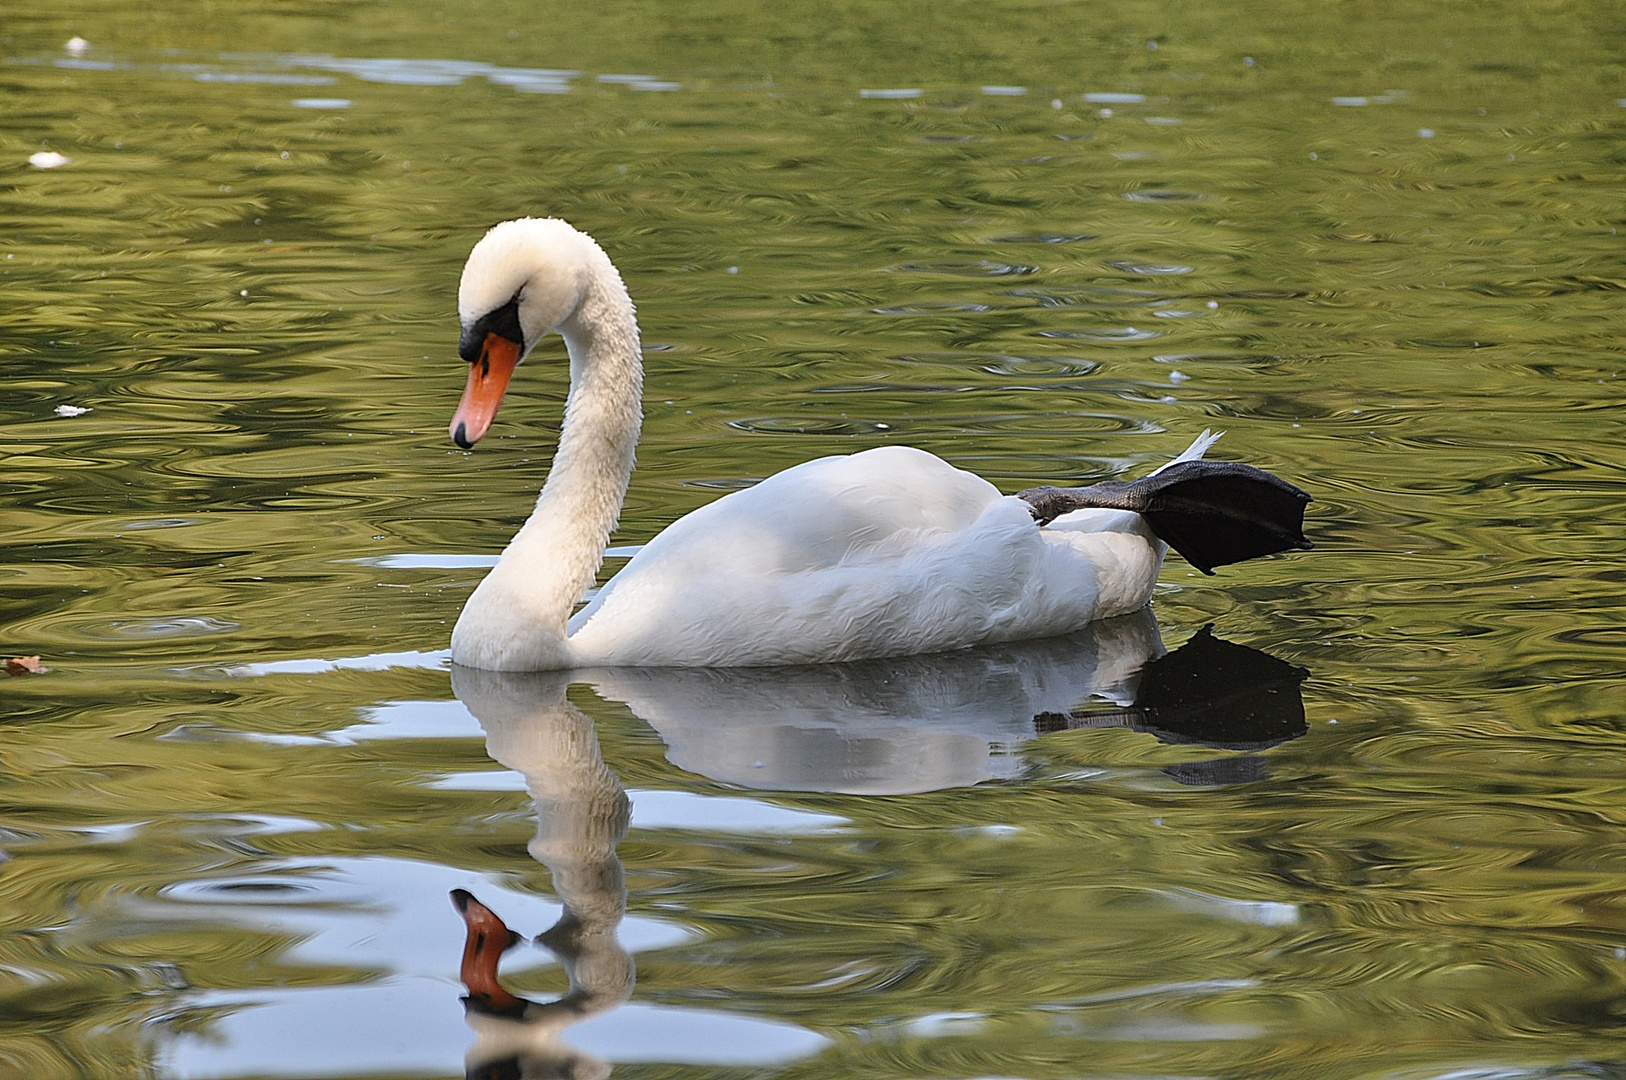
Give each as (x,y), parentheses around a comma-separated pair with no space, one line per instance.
(488,379)
(488,938)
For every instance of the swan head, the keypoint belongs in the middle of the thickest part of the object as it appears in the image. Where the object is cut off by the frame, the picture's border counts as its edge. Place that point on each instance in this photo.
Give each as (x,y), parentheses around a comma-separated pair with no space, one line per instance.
(522,280)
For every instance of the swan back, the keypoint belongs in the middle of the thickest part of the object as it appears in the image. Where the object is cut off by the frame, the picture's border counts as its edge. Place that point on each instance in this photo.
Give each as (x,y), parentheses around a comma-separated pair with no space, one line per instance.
(824,512)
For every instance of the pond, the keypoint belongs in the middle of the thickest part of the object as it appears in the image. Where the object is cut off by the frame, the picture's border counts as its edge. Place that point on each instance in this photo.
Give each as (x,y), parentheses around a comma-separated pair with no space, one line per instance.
(1376,245)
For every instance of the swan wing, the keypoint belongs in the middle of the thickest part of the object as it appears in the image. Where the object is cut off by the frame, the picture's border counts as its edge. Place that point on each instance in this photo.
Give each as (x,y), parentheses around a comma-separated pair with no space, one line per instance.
(888,552)
(822,513)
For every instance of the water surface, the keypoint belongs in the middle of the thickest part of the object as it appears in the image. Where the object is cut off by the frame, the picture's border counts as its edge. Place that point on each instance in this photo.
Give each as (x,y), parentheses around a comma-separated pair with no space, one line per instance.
(1377,246)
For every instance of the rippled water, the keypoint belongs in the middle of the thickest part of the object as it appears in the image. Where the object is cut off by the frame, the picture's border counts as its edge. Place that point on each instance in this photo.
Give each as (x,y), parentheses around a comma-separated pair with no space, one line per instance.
(1378,246)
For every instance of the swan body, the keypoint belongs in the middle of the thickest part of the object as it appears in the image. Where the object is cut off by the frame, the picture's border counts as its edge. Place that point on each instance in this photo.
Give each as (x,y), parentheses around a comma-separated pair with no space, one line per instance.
(887,552)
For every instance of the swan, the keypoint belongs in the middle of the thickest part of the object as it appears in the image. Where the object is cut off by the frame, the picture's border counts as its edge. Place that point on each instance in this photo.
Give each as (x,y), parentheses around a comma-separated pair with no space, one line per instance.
(886,552)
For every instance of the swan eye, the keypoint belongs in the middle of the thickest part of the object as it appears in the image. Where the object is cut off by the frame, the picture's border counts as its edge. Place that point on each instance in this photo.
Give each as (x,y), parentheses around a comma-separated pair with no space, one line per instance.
(504,322)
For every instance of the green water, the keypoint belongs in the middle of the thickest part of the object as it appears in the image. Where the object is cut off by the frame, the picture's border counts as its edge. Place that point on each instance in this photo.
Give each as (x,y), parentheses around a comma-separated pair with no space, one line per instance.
(1376,244)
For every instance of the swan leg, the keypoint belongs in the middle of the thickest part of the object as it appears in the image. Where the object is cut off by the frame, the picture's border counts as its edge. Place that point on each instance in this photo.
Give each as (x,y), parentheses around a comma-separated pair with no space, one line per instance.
(1212,512)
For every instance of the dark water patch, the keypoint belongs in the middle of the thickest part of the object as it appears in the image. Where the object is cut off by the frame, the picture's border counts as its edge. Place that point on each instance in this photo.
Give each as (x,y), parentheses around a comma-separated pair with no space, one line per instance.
(1270,293)
(1089,297)
(933,307)
(1043,238)
(1542,287)
(807,425)
(1143,269)
(1162,195)
(978,268)
(725,483)
(157,523)
(244,892)
(888,388)
(1039,366)
(999,364)
(1113,333)
(1240,358)
(176,626)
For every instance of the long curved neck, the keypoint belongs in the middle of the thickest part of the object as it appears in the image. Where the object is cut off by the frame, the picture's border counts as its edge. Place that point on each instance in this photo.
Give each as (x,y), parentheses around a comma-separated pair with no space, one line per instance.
(516,619)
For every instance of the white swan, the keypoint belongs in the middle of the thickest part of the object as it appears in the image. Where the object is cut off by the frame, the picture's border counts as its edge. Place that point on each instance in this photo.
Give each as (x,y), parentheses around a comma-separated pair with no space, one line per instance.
(887,552)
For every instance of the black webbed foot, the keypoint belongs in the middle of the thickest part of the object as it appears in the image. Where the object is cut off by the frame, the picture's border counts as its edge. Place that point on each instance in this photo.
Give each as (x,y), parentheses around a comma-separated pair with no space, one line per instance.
(1212,512)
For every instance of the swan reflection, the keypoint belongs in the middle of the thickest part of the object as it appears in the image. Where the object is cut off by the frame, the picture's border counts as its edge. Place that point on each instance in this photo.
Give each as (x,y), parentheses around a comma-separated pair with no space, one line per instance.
(581,814)
(879,727)
(922,723)
(913,724)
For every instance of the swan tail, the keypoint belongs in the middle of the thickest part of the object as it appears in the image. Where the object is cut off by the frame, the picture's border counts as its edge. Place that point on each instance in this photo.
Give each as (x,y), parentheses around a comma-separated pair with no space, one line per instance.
(1212,512)
(1195,451)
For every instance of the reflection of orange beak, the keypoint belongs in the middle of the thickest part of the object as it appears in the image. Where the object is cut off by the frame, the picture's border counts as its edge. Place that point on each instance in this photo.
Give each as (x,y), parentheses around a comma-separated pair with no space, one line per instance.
(488,938)
(488,378)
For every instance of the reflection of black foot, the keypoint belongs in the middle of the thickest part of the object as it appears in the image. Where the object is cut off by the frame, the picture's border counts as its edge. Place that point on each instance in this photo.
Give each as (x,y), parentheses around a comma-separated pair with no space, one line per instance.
(508,1068)
(1218,772)
(1211,692)
(488,938)
(1221,694)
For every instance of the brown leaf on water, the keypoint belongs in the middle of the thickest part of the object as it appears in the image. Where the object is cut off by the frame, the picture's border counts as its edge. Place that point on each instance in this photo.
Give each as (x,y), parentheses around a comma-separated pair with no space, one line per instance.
(25,665)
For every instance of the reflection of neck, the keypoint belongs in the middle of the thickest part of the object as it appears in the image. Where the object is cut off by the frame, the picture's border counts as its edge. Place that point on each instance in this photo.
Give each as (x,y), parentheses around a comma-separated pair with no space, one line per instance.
(582,813)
